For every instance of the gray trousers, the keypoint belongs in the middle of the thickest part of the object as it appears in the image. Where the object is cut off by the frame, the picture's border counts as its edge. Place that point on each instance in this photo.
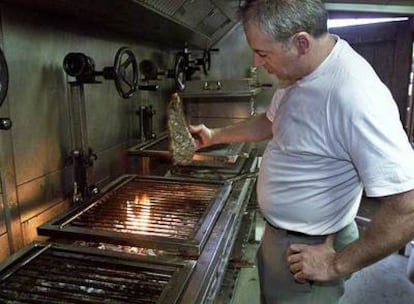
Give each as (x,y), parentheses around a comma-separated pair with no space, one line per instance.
(277,285)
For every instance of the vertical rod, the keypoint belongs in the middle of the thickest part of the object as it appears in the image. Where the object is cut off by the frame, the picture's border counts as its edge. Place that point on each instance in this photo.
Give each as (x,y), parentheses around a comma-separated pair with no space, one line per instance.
(78,117)
(81,152)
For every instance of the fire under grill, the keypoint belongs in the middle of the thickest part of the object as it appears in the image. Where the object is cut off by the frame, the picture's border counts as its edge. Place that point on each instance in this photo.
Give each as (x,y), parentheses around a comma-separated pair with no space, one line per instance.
(152,212)
(51,273)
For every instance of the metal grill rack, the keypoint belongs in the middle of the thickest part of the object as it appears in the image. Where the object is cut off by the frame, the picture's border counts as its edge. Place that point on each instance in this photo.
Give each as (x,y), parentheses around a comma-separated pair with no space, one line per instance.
(51,273)
(161,213)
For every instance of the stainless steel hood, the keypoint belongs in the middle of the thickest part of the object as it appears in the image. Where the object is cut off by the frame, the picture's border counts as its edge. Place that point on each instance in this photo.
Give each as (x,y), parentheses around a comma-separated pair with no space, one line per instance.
(199,23)
(211,18)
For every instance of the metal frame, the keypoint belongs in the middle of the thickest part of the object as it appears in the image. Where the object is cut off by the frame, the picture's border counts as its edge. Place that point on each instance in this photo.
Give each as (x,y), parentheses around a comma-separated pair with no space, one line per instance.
(229,158)
(205,281)
(61,226)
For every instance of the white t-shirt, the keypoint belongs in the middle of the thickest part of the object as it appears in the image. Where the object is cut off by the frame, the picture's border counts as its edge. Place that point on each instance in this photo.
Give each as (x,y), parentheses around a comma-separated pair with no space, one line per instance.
(335,132)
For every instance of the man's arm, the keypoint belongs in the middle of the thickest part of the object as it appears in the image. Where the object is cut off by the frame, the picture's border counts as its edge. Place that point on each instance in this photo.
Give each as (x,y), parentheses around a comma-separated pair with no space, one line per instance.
(391,228)
(256,128)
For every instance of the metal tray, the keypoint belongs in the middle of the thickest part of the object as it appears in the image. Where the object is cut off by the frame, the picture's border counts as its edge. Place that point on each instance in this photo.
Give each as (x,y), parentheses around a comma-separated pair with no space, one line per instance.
(219,154)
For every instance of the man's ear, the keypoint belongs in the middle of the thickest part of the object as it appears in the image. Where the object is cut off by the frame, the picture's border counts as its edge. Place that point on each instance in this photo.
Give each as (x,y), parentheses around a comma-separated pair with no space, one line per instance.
(303,42)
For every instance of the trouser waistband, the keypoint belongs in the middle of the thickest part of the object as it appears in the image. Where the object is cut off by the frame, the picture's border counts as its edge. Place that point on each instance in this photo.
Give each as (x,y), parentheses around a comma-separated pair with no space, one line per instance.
(293,233)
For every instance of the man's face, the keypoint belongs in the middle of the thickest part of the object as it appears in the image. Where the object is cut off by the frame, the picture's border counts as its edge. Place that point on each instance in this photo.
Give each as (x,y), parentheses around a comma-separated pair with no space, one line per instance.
(277,58)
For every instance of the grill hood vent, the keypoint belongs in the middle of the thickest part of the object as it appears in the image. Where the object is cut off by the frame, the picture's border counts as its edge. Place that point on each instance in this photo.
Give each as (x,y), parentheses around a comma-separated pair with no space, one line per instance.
(200,23)
(209,18)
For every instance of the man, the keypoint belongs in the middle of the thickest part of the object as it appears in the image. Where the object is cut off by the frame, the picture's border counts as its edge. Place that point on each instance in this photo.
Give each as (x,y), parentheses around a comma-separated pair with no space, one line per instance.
(334,131)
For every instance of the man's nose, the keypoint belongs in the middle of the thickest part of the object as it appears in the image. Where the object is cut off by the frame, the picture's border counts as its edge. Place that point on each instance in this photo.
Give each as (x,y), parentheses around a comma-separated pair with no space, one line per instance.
(257,60)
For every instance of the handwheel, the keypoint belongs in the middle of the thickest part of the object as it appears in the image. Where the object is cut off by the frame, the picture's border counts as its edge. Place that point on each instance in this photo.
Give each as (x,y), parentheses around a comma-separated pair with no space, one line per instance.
(180,72)
(206,61)
(4,78)
(126,72)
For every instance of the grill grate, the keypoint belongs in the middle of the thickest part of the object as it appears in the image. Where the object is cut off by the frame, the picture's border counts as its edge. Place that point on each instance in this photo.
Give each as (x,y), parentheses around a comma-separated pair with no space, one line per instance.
(149,208)
(157,213)
(68,275)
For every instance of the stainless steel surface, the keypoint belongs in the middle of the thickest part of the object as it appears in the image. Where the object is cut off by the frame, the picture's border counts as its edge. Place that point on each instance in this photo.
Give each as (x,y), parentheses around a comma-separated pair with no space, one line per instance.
(211,18)
(242,176)
(196,281)
(206,282)
(212,261)
(219,231)
(163,213)
(46,273)
(221,88)
(226,153)
(33,153)
(169,22)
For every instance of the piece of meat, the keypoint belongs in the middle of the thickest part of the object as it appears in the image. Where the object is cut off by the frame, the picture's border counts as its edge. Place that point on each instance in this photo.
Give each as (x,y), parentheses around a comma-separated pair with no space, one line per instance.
(181,143)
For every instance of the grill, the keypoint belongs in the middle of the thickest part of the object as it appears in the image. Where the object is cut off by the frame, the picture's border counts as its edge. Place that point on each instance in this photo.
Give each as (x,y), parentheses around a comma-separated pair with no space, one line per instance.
(50,273)
(218,162)
(181,231)
(153,212)
(212,157)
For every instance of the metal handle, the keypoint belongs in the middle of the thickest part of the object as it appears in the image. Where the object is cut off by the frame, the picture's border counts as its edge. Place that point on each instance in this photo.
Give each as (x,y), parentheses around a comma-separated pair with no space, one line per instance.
(5,123)
(153,87)
(245,175)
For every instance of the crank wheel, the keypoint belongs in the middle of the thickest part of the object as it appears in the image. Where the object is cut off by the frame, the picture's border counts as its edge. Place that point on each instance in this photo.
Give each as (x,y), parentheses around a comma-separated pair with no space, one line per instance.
(206,61)
(180,72)
(126,72)
(4,78)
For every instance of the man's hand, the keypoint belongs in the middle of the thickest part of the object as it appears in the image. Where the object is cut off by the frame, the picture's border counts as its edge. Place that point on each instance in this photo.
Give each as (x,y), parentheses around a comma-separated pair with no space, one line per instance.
(202,135)
(312,262)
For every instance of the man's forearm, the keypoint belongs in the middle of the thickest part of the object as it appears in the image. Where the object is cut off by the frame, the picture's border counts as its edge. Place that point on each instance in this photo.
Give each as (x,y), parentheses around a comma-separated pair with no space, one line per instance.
(391,228)
(256,128)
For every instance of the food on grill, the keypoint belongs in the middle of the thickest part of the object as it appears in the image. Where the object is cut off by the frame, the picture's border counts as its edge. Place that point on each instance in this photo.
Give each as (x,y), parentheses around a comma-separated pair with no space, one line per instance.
(181,143)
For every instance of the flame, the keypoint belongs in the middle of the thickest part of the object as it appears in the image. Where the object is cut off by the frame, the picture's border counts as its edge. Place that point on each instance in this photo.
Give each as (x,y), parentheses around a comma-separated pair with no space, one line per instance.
(144,199)
(139,212)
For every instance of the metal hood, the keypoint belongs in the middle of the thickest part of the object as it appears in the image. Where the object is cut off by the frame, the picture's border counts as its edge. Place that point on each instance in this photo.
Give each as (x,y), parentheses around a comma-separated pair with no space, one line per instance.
(199,23)
(208,19)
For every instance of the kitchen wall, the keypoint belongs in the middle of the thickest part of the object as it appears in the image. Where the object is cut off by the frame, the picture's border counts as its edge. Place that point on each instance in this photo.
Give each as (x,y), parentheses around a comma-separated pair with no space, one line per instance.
(36,176)
(35,172)
(234,61)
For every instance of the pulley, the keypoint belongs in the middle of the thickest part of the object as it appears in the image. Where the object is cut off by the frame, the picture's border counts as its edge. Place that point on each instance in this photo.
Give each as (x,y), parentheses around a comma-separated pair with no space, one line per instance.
(124,72)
